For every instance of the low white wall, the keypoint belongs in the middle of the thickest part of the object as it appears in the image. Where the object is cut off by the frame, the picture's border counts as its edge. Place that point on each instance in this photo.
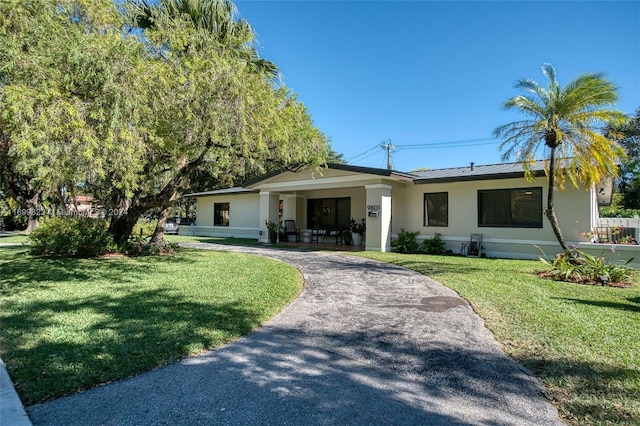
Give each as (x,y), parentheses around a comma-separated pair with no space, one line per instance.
(500,247)
(220,231)
(622,253)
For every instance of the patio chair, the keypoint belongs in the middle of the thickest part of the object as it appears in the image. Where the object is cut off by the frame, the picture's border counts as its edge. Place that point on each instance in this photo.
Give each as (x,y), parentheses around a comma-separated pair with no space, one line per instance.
(290,229)
(473,247)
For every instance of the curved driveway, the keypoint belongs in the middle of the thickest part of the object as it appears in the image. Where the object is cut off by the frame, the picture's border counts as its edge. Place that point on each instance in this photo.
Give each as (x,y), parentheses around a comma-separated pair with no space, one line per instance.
(365,343)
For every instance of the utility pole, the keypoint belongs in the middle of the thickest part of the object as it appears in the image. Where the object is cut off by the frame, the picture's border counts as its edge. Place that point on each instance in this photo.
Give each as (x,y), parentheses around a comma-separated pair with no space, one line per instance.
(390,148)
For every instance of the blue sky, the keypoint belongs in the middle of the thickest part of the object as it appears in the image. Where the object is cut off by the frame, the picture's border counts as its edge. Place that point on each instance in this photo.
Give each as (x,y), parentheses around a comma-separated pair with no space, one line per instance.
(427,72)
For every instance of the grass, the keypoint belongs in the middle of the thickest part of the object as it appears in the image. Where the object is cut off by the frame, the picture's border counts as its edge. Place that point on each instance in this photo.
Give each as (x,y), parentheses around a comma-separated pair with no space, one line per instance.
(67,325)
(582,342)
(14,238)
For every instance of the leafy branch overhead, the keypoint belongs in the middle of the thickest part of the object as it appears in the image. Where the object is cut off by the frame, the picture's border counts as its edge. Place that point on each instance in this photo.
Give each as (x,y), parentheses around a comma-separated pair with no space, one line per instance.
(129,100)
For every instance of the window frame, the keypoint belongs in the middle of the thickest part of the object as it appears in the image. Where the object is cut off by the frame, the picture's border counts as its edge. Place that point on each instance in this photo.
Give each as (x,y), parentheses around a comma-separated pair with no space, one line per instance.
(338,208)
(215,214)
(511,224)
(426,217)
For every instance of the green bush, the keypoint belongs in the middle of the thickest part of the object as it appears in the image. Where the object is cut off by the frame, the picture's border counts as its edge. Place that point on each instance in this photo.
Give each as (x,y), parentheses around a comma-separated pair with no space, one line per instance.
(70,237)
(433,245)
(583,268)
(618,212)
(406,242)
(144,227)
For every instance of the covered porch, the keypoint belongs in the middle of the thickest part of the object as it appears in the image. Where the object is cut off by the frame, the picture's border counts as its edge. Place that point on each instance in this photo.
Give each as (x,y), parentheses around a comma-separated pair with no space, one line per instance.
(328,201)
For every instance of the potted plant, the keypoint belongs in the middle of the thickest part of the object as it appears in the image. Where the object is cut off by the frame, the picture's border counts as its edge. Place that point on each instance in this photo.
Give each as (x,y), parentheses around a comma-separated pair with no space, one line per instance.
(346,237)
(356,230)
(274,229)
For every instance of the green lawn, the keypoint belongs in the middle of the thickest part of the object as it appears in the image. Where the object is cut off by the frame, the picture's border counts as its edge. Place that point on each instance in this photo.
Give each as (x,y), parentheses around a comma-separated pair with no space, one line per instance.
(15,238)
(69,324)
(582,342)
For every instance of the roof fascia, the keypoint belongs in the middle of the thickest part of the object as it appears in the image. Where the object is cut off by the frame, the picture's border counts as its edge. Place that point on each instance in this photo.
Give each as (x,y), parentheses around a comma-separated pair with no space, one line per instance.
(494,176)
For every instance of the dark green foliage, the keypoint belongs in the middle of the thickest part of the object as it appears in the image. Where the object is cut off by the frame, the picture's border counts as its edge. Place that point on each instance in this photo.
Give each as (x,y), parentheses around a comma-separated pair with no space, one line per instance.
(433,245)
(71,237)
(406,242)
(612,211)
(627,134)
(583,268)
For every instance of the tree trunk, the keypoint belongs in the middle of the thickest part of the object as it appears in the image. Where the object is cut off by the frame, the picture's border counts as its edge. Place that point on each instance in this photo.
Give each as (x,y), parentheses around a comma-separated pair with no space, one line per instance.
(158,234)
(33,207)
(121,226)
(550,212)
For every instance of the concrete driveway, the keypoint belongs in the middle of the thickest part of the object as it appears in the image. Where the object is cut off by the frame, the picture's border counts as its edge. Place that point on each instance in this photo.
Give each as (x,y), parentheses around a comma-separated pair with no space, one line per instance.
(366,343)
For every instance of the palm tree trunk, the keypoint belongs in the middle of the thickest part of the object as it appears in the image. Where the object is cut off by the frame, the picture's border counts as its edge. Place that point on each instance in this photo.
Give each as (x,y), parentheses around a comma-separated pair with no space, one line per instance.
(550,212)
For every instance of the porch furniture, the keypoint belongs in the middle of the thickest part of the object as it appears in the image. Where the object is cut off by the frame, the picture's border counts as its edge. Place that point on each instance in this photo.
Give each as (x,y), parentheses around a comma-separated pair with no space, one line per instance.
(327,231)
(290,229)
(473,247)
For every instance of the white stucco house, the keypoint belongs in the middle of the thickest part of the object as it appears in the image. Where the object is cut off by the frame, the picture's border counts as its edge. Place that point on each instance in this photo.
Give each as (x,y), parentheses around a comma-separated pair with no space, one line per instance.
(493,200)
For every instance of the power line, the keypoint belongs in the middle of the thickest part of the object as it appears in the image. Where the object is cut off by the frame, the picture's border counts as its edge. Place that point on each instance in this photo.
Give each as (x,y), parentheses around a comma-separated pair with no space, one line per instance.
(464,142)
(353,158)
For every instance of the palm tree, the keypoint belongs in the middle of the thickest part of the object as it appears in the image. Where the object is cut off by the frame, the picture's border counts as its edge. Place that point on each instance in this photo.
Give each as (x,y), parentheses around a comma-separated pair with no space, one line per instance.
(215,17)
(564,123)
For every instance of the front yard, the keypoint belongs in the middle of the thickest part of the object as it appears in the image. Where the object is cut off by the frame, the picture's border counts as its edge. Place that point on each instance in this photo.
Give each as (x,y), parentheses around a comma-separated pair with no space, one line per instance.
(582,342)
(67,325)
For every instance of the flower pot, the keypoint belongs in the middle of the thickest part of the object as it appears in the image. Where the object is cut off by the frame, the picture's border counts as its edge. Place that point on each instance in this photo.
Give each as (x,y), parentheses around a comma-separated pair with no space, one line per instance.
(273,236)
(356,239)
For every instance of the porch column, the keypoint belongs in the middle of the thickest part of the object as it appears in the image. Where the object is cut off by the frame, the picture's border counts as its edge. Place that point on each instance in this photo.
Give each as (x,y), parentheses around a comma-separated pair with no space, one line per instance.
(269,209)
(378,226)
(294,209)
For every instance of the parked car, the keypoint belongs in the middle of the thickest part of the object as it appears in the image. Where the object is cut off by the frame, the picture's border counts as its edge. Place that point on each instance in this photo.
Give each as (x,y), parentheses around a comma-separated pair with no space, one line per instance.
(187,221)
(171,227)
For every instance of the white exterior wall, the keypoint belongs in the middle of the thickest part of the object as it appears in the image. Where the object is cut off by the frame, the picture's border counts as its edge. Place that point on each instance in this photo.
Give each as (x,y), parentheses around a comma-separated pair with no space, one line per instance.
(244,211)
(573,209)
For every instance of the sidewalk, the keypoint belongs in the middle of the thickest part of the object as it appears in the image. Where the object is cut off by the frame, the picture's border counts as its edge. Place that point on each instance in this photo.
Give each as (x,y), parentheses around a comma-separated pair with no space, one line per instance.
(11,410)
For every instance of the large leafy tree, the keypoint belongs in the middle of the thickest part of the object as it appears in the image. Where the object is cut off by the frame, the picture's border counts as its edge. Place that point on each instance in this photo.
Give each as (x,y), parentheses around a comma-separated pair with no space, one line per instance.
(132,116)
(68,102)
(565,126)
(628,135)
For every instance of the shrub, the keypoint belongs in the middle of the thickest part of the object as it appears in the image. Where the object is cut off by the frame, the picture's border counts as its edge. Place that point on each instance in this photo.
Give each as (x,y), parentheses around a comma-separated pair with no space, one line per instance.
(583,268)
(70,236)
(144,226)
(142,246)
(406,242)
(433,245)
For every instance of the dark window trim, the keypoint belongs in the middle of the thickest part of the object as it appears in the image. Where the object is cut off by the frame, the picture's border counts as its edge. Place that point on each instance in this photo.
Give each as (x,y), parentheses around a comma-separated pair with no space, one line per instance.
(539,225)
(425,218)
(335,200)
(228,209)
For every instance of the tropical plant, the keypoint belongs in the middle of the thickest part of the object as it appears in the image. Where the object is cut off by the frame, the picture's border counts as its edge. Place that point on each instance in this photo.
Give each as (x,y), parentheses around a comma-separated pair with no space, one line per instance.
(564,124)
(357,228)
(406,242)
(580,267)
(216,17)
(433,245)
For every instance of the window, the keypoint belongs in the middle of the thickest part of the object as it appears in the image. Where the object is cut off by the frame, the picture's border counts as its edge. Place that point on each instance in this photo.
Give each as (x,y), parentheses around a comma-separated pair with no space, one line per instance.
(328,212)
(220,214)
(515,208)
(436,209)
